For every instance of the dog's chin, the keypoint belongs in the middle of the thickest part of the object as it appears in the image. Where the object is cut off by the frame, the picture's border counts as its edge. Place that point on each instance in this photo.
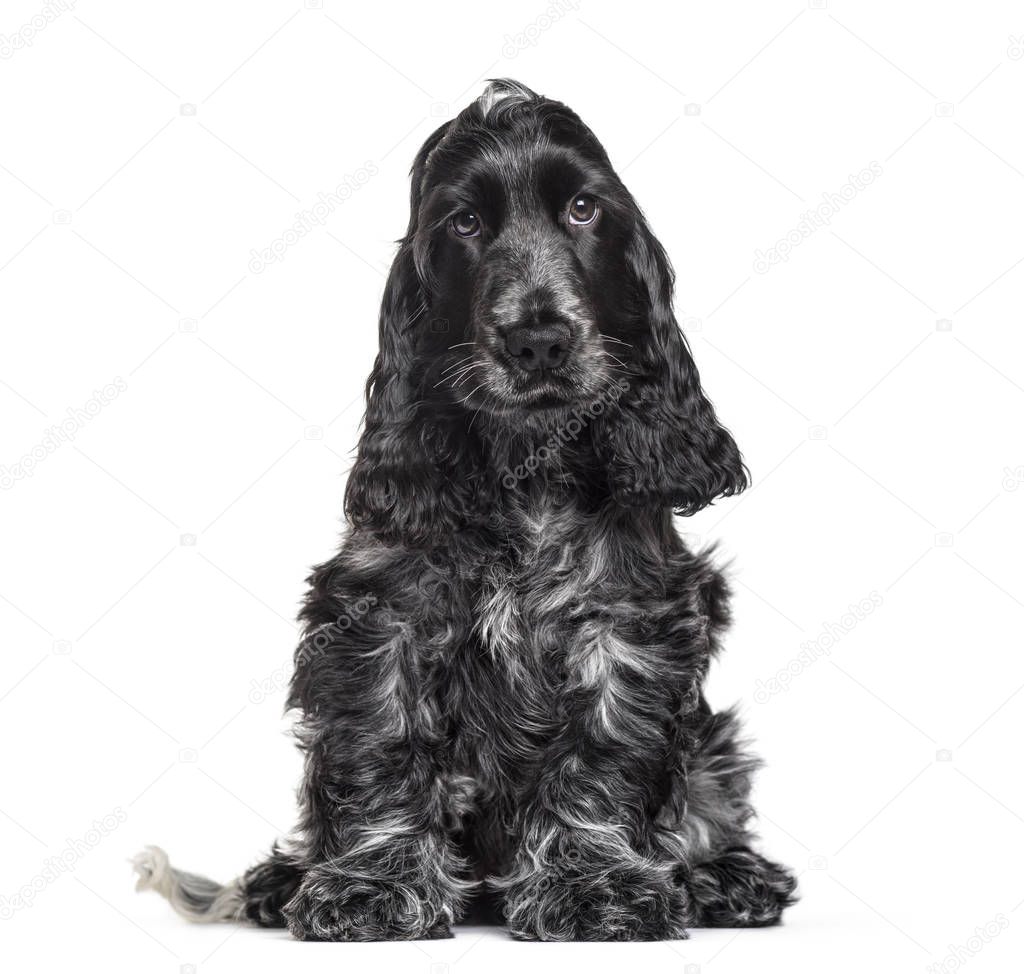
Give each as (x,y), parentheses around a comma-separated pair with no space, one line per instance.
(541,398)
(544,392)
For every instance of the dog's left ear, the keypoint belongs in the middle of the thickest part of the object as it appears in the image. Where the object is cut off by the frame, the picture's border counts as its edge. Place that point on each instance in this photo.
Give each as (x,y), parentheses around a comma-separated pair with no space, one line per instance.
(662,443)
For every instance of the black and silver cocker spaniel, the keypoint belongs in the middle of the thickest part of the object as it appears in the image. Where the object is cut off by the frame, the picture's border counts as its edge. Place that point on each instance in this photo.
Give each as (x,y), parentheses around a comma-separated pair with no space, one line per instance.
(500,679)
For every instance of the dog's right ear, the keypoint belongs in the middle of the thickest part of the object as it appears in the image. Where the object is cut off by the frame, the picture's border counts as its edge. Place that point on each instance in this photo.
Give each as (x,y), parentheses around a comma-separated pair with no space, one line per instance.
(413,479)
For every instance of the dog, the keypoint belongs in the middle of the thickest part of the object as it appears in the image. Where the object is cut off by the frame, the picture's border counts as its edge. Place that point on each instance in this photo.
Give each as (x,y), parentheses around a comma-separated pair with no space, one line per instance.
(499,684)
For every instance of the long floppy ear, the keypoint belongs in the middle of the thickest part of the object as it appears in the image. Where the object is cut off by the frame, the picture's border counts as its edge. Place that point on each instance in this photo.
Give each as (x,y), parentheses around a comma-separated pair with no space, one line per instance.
(414,476)
(662,443)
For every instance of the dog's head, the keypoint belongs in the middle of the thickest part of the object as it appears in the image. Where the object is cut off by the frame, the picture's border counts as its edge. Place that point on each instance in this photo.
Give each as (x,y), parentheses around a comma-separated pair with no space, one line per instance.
(527,286)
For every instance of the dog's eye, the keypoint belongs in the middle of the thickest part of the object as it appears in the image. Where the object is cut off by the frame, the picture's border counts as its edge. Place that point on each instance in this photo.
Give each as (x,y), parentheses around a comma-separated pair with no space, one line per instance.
(583,210)
(466,224)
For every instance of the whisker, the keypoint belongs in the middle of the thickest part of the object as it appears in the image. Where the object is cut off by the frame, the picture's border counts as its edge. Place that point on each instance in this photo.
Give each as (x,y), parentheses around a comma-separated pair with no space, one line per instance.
(457,378)
(457,364)
(608,338)
(625,370)
(463,375)
(614,359)
(455,375)
(460,345)
(473,393)
(614,371)
(473,420)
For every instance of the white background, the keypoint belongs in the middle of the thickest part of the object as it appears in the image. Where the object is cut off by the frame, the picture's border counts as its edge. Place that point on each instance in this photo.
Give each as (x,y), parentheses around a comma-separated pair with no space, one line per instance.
(152,566)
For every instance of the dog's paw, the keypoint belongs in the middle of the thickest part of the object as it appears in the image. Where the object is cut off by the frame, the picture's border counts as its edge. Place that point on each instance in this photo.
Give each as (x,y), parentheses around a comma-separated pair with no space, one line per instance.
(332,906)
(740,888)
(623,901)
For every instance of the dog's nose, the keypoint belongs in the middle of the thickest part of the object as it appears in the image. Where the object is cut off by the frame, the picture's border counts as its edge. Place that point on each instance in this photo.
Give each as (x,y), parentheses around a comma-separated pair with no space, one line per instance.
(538,346)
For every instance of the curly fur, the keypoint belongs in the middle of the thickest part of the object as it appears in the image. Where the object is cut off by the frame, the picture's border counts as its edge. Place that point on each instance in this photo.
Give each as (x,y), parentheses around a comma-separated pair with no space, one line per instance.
(500,685)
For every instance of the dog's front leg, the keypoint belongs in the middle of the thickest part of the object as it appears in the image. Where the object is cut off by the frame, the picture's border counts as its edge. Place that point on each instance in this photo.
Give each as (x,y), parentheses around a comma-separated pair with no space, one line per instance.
(380,865)
(587,866)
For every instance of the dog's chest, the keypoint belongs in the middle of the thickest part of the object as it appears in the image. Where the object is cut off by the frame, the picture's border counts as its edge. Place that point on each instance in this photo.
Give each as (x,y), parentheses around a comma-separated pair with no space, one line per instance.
(534,595)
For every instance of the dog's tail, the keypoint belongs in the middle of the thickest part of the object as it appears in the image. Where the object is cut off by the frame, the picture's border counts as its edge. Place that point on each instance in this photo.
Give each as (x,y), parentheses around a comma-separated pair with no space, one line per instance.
(258,896)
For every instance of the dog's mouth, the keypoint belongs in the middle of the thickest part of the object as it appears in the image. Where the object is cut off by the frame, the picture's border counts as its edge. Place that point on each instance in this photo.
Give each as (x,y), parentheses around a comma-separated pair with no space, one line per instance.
(542,396)
(557,381)
(514,393)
